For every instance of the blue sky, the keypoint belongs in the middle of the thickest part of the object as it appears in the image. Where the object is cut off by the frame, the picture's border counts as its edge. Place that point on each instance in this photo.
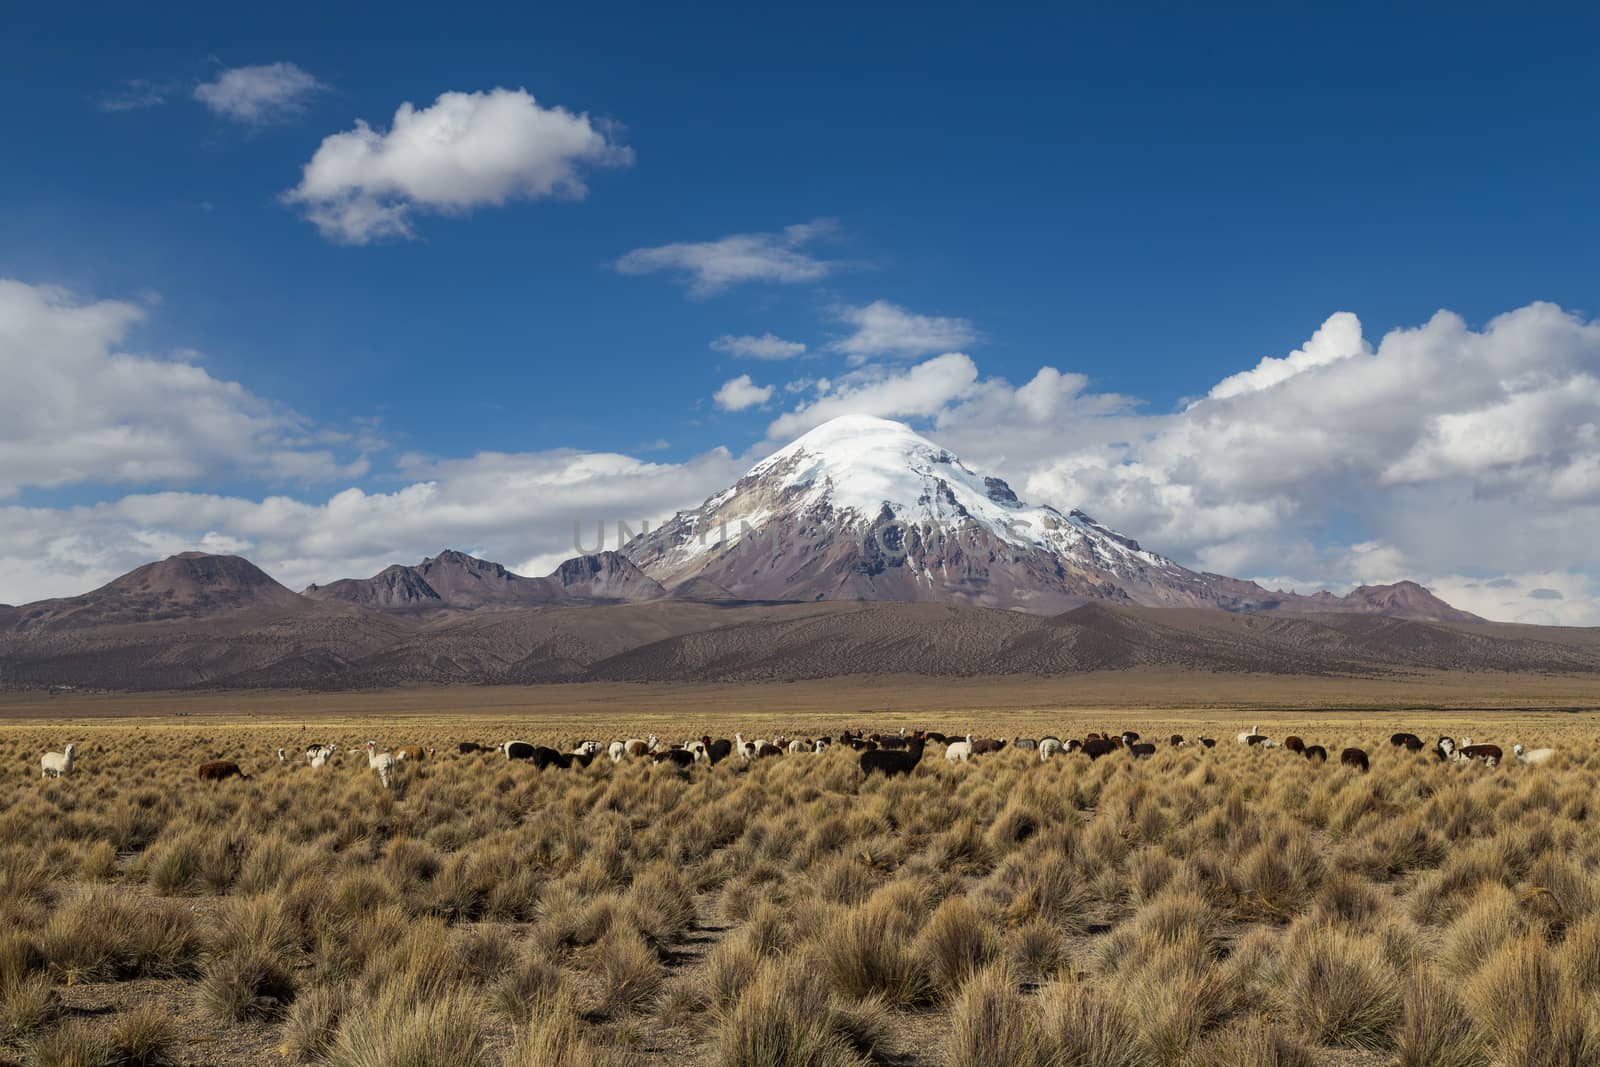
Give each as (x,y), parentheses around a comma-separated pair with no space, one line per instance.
(1153,199)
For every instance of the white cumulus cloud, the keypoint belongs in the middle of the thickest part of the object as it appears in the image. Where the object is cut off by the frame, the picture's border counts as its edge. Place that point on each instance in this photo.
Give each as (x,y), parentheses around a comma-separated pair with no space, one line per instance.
(75,407)
(527,510)
(259,94)
(466,151)
(913,392)
(737,394)
(1339,338)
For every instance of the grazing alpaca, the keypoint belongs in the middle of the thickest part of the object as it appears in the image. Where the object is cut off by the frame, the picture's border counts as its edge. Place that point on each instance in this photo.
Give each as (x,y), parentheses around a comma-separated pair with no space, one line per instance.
(718,750)
(893,741)
(548,757)
(745,749)
(1050,746)
(1490,754)
(890,762)
(1100,746)
(1294,744)
(1536,755)
(1354,757)
(1406,741)
(1208,742)
(217,770)
(1175,740)
(382,762)
(959,750)
(55,764)
(516,749)
(639,747)
(1142,750)
(414,753)
(681,758)
(466,748)
(1316,754)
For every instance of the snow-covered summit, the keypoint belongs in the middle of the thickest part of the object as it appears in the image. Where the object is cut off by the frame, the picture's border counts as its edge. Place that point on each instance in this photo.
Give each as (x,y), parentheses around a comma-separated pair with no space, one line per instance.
(863,508)
(864,501)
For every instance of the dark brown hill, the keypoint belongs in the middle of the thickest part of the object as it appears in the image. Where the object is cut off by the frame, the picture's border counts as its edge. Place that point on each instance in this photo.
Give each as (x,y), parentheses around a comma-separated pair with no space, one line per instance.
(456,581)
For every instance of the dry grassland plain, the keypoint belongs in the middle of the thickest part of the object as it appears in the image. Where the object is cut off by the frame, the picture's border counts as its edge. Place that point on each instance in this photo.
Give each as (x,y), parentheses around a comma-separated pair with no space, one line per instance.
(1229,907)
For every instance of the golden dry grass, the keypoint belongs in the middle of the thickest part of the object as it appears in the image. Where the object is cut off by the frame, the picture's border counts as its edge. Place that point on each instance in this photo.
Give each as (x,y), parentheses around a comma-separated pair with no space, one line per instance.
(1205,907)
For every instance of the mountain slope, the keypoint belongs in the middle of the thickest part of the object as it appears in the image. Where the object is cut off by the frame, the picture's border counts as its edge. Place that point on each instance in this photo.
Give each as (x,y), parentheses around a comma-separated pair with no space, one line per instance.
(863,508)
(455,580)
(192,585)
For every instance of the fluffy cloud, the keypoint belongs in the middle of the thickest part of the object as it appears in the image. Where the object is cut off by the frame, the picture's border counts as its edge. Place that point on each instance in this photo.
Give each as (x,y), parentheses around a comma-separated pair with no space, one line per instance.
(737,394)
(884,329)
(1449,450)
(914,392)
(74,408)
(1339,338)
(709,267)
(767,346)
(260,94)
(527,510)
(466,151)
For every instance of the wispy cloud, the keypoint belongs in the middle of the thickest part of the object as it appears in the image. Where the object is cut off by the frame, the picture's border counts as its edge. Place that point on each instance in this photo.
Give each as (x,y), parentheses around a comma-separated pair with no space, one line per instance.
(768,346)
(258,95)
(709,267)
(883,329)
(135,95)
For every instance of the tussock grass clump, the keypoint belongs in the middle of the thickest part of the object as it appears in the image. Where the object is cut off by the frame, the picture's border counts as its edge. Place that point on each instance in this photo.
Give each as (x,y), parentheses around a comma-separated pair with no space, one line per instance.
(1436,1030)
(784,1019)
(1253,1043)
(28,1003)
(102,934)
(1080,1027)
(1340,990)
(72,1044)
(142,1037)
(1178,994)
(312,1022)
(246,984)
(629,972)
(864,954)
(990,1023)
(1491,919)
(558,1034)
(955,942)
(390,1032)
(1531,1013)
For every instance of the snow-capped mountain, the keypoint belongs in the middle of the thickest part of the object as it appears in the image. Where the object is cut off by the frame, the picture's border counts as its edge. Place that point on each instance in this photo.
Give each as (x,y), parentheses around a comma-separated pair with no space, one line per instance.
(863,508)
